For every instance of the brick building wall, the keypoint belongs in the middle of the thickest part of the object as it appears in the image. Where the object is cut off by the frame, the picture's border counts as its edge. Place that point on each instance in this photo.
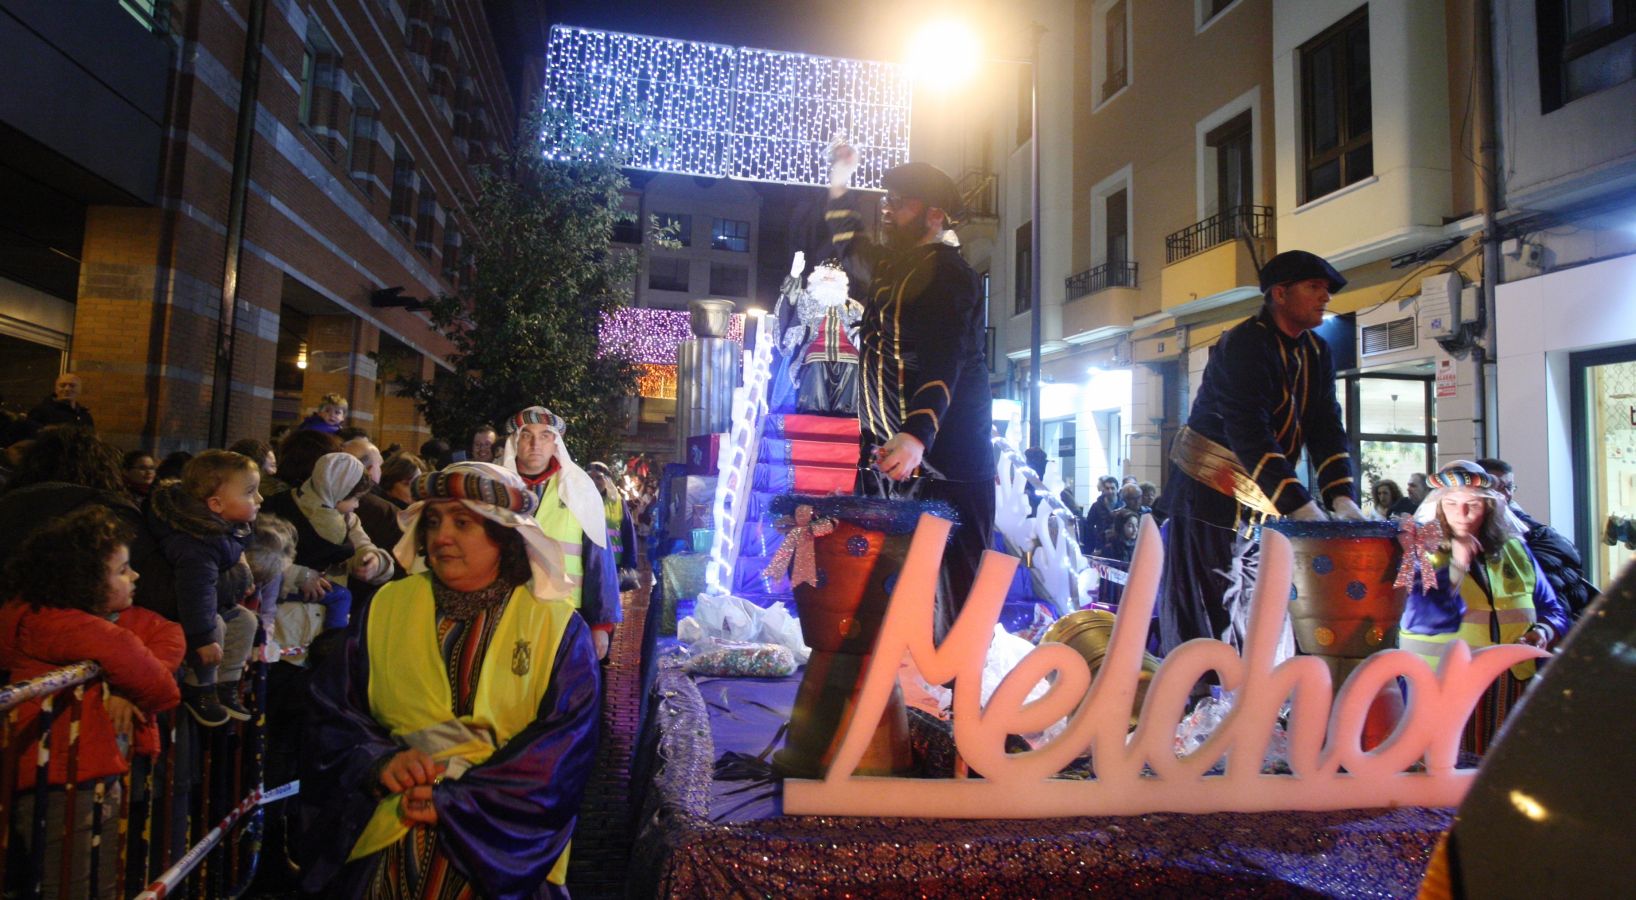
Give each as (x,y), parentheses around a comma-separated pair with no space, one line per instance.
(369,117)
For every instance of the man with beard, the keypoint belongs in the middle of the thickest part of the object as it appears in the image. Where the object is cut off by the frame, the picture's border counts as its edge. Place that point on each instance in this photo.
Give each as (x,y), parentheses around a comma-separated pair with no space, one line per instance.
(924,414)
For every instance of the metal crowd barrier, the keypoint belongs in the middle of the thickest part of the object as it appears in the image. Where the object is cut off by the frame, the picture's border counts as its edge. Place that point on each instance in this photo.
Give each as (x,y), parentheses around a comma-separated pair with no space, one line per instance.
(202,792)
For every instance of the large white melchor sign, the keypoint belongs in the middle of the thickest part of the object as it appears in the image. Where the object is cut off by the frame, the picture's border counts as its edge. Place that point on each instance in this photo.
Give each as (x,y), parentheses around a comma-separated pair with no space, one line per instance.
(1331,769)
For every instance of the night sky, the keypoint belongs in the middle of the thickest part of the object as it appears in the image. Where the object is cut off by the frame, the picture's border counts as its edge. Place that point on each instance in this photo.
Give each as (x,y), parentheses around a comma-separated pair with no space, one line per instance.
(850,28)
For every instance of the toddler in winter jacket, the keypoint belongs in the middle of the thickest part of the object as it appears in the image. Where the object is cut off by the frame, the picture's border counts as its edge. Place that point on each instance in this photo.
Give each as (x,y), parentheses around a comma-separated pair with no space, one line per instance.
(202,526)
(69,590)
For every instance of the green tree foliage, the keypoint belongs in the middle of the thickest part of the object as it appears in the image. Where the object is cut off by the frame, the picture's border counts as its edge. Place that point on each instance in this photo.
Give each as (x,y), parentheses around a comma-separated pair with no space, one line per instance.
(525,328)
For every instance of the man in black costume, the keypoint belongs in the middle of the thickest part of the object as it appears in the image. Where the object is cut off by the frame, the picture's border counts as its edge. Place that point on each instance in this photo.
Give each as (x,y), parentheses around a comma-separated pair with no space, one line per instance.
(924,412)
(1268,392)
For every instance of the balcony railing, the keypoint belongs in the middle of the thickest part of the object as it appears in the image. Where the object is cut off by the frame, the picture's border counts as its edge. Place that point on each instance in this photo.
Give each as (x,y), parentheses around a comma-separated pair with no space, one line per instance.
(1227,225)
(1099,278)
(979,194)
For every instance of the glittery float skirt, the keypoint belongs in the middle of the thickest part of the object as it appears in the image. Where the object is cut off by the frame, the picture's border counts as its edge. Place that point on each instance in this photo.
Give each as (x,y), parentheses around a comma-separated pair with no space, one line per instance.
(840,620)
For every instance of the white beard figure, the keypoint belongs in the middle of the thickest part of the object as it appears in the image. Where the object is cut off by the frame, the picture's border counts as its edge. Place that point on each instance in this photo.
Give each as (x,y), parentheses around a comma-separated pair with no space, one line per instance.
(827,333)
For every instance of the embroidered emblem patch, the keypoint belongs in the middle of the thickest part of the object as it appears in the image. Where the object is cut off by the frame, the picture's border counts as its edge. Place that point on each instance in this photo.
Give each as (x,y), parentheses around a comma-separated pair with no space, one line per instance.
(522,657)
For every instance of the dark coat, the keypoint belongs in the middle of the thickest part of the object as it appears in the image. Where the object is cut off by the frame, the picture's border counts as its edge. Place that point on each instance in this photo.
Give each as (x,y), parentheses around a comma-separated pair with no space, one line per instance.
(205,553)
(52,411)
(1561,563)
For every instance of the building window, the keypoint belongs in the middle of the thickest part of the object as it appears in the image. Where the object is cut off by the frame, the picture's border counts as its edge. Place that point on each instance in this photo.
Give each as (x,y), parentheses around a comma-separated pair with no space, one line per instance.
(426,222)
(1585,46)
(627,229)
(729,281)
(1025,104)
(320,83)
(676,229)
(1232,145)
(404,183)
(668,273)
(1337,148)
(361,143)
(730,234)
(451,255)
(1116,235)
(1110,40)
(1022,275)
(1208,10)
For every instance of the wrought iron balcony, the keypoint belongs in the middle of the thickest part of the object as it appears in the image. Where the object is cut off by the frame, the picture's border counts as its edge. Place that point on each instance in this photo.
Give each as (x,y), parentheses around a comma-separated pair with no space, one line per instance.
(979,194)
(1119,273)
(1228,225)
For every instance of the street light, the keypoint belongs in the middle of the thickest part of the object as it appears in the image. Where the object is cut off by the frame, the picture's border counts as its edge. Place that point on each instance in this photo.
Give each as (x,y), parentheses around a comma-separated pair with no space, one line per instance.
(944,55)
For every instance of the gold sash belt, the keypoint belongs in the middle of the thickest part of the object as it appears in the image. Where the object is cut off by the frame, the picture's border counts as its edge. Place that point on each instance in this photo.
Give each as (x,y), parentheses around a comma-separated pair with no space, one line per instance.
(1212,464)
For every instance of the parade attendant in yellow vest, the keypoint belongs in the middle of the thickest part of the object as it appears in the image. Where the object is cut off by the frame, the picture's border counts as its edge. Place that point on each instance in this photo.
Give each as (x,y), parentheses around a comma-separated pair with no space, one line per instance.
(451,742)
(570,512)
(1486,589)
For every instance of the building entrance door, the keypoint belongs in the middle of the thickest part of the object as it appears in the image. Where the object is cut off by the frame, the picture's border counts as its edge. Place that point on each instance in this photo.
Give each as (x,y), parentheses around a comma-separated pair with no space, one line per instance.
(1604,437)
(1391,422)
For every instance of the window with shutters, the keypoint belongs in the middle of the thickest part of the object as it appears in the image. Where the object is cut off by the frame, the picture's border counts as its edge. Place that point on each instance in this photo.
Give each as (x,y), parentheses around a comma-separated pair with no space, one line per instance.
(1337,143)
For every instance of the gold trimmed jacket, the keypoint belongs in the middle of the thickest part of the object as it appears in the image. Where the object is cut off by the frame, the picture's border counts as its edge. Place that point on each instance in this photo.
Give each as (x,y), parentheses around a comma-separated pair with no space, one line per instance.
(922,368)
(1267,396)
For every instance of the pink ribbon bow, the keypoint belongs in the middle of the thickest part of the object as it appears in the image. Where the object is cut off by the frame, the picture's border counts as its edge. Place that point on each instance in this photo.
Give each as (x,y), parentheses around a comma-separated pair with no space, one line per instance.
(1417,541)
(796,553)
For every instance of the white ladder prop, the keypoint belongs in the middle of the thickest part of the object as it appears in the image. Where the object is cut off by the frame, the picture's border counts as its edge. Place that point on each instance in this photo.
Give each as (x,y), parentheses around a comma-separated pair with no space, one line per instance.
(1060,569)
(737,461)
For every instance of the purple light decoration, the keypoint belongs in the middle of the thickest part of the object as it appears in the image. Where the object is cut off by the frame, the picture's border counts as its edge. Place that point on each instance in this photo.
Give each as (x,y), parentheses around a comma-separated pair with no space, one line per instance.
(652,335)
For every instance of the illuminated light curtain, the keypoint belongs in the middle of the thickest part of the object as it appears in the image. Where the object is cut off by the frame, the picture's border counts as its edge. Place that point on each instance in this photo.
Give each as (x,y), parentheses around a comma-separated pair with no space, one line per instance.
(651,336)
(656,381)
(706,109)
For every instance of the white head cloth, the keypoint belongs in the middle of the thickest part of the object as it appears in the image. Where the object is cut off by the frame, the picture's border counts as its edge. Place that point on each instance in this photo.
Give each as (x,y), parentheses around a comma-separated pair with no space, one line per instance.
(333,478)
(575,489)
(497,494)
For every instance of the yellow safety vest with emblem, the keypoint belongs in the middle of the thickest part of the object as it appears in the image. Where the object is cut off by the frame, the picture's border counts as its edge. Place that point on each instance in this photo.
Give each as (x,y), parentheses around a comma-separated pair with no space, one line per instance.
(409,689)
(1510,613)
(559,525)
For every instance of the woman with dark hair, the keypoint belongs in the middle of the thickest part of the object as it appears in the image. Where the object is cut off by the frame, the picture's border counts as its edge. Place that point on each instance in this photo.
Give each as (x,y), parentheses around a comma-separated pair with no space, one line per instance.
(69,591)
(397,474)
(1483,587)
(63,470)
(1385,496)
(172,466)
(450,744)
(72,456)
(139,470)
(296,457)
(261,452)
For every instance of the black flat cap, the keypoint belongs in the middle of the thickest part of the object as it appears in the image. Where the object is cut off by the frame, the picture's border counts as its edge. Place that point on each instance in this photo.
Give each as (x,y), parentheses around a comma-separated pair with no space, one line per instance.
(1299,265)
(927,183)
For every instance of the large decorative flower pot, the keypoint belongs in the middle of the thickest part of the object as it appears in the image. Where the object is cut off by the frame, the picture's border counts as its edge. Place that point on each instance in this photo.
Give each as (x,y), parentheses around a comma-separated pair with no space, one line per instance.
(857,564)
(1344,604)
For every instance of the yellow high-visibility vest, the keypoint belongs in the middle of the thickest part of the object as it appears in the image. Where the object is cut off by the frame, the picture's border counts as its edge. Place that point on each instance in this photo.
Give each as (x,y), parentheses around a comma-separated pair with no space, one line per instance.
(409,688)
(1511,578)
(559,525)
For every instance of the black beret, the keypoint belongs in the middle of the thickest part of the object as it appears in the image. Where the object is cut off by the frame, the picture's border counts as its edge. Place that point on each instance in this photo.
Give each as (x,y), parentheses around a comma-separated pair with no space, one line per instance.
(1299,265)
(924,182)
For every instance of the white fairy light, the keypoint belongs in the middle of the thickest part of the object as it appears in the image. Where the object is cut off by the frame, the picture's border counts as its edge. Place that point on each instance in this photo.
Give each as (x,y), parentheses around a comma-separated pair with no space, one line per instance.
(707,109)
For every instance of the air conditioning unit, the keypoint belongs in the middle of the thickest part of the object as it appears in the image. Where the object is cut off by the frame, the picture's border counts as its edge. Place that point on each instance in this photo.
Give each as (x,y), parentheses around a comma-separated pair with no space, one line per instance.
(1387,337)
(1440,306)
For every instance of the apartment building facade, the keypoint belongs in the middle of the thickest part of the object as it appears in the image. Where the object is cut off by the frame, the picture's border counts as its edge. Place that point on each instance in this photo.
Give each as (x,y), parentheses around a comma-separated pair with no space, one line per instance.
(1203,138)
(303,167)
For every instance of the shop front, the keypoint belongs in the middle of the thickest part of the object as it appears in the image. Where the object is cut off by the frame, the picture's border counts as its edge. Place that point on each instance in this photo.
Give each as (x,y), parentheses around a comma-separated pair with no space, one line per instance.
(1567,404)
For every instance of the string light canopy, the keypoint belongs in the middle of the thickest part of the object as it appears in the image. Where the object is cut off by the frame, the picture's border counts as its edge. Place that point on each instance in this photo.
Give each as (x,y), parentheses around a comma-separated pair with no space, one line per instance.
(693,108)
(645,335)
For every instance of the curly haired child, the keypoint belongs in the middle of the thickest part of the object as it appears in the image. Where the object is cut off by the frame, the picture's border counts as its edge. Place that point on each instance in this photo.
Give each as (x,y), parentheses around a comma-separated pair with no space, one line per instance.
(69,590)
